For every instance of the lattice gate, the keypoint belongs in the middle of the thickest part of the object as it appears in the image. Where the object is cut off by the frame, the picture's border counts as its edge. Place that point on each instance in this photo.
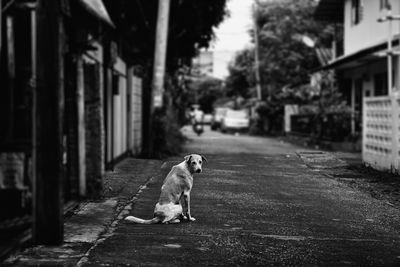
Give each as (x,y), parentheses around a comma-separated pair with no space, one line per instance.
(381,133)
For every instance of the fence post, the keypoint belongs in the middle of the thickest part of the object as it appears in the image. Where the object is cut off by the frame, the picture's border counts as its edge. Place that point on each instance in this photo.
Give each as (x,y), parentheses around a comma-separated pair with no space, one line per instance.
(395,134)
(364,126)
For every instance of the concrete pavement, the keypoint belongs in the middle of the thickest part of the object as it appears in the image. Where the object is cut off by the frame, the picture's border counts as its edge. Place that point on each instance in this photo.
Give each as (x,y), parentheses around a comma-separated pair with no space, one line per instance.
(259,201)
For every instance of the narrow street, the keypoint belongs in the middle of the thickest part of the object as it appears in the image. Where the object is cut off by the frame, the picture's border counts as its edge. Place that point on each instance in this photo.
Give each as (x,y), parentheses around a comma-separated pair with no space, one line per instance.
(94,95)
(256,203)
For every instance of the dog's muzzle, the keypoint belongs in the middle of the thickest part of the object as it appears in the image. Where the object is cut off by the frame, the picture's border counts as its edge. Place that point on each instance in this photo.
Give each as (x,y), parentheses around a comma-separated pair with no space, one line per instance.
(198,170)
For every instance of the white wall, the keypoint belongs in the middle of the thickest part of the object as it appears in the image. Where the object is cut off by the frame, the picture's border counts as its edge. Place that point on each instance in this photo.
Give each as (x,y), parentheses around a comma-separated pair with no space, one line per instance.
(120,119)
(368,32)
(117,139)
(137,114)
(120,111)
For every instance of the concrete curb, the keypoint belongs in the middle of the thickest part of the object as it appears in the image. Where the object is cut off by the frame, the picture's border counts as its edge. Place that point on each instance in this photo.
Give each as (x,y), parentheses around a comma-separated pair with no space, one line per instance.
(121,212)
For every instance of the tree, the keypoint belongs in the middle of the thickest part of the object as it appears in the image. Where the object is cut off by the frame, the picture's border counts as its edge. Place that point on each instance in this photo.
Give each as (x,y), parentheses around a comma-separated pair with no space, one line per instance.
(205,92)
(191,27)
(285,61)
(241,81)
(284,58)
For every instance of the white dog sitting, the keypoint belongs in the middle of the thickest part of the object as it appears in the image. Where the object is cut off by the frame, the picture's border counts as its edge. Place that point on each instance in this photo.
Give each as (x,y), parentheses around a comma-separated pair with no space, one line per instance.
(176,187)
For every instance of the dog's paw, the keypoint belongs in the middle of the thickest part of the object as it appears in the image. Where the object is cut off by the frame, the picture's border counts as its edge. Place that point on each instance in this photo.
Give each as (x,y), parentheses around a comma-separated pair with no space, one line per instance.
(184,218)
(192,219)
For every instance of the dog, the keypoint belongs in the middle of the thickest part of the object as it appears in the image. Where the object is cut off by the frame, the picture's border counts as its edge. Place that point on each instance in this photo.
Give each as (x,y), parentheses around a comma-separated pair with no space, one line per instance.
(175,191)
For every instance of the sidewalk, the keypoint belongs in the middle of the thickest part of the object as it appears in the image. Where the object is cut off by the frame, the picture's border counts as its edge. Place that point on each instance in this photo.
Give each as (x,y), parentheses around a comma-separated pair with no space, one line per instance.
(348,168)
(92,222)
(96,233)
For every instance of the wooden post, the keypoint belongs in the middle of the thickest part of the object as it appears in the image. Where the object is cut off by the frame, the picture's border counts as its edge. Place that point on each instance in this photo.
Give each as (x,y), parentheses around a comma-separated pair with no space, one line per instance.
(112,119)
(80,100)
(49,106)
(129,89)
(353,107)
(390,53)
(11,73)
(34,92)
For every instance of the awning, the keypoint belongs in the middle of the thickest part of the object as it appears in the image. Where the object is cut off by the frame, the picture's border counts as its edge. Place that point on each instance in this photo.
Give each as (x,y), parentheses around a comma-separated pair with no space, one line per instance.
(330,10)
(372,53)
(97,8)
(324,55)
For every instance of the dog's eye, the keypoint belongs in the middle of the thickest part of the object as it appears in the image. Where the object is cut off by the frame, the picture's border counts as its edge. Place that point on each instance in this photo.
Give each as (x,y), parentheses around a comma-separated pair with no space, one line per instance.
(193,163)
(200,162)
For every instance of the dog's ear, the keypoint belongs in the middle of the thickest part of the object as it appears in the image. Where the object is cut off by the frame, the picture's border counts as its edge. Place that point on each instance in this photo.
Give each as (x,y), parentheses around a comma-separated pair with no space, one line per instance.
(188,158)
(203,158)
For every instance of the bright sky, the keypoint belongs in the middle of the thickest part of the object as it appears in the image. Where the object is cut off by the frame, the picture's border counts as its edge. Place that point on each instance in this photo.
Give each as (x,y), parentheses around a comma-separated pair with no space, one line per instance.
(232,35)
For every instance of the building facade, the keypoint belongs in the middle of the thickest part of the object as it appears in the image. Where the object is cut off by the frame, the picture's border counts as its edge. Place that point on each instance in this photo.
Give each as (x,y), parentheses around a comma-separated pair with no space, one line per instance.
(70,108)
(369,73)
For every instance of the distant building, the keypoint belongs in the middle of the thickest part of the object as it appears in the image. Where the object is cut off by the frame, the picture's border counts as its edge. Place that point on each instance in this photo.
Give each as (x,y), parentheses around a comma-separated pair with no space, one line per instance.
(202,65)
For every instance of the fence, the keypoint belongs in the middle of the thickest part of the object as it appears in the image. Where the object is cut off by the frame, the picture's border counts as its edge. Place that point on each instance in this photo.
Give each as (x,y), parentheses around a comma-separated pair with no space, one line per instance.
(381,132)
(331,127)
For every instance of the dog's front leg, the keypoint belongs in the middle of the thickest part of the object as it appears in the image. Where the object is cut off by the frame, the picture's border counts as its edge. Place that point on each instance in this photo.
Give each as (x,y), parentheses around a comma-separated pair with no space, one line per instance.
(186,197)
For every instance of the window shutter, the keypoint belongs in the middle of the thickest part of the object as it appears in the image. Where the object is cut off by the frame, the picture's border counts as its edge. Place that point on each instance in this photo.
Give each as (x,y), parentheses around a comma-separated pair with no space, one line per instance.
(361,10)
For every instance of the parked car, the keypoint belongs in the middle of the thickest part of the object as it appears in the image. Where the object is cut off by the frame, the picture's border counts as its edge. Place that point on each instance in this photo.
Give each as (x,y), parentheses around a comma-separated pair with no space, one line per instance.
(207,118)
(235,120)
(217,117)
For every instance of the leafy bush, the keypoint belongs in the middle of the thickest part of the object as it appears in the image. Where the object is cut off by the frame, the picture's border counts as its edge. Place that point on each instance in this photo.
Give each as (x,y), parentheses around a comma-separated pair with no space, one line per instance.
(167,138)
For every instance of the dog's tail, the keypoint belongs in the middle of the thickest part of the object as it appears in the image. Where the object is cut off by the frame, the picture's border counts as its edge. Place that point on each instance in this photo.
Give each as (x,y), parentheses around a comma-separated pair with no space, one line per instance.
(141,221)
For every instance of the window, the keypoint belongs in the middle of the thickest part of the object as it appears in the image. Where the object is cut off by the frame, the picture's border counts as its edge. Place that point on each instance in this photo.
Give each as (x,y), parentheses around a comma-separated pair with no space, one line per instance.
(381,84)
(16,91)
(356,11)
(358,99)
(384,4)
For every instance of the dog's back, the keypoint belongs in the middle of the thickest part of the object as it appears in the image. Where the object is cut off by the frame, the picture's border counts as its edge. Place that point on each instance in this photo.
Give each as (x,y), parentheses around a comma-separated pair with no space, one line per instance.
(177,181)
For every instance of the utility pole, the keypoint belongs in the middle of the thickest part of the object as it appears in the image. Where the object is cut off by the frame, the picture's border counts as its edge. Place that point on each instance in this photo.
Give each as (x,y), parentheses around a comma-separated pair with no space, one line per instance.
(48,127)
(1,25)
(160,53)
(256,54)
(390,53)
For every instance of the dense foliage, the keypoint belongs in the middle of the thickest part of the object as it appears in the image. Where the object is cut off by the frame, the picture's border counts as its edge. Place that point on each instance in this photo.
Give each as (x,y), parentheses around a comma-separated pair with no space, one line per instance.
(286,62)
(205,91)
(284,57)
(241,81)
(190,27)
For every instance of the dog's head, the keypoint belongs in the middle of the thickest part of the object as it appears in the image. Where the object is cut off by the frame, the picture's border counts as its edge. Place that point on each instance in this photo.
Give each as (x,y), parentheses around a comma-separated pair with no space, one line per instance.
(195,162)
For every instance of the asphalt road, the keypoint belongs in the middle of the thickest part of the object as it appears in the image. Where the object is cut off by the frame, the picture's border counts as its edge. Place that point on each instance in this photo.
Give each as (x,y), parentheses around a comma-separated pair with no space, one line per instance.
(257,203)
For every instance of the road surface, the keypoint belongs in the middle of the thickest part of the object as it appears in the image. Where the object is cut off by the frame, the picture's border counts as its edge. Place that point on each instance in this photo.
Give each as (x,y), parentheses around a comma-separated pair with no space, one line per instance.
(257,203)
